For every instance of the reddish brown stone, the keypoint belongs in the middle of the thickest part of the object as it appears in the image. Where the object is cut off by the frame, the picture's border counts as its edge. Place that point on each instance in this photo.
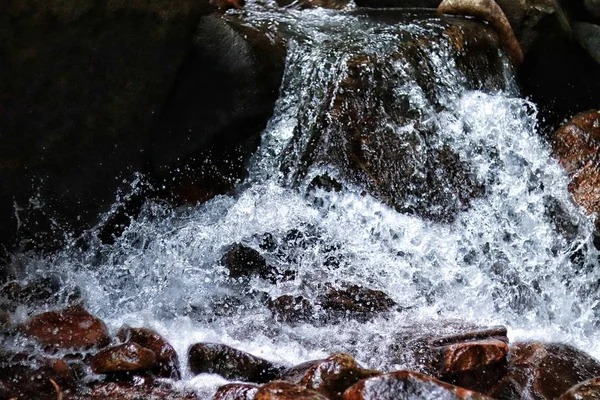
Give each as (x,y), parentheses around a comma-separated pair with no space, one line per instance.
(355,302)
(122,358)
(407,385)
(588,390)
(291,309)
(137,390)
(280,390)
(544,371)
(236,391)
(167,362)
(330,377)
(72,328)
(231,363)
(24,376)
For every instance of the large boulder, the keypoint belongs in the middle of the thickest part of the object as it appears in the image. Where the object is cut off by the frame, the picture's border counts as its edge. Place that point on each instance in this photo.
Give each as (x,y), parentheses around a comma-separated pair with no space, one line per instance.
(93,92)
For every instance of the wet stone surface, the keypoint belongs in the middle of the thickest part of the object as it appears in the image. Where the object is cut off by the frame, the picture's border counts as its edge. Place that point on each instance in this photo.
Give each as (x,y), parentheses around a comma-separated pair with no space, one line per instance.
(236,391)
(123,358)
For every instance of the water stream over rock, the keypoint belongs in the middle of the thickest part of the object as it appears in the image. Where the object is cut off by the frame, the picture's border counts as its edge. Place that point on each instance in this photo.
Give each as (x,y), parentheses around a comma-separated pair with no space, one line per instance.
(400,158)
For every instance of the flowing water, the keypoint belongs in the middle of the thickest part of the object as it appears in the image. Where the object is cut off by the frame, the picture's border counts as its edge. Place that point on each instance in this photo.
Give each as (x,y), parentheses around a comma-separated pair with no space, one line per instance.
(502,260)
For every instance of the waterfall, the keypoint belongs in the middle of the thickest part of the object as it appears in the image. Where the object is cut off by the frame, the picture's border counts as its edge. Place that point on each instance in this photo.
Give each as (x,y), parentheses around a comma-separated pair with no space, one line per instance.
(490,237)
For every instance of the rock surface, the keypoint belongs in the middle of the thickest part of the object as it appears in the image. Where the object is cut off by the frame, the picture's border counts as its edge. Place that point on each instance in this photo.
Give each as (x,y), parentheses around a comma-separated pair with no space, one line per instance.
(123,358)
(588,390)
(354,302)
(167,361)
(544,371)
(72,328)
(231,363)
(236,391)
(279,390)
(407,385)
(136,390)
(291,309)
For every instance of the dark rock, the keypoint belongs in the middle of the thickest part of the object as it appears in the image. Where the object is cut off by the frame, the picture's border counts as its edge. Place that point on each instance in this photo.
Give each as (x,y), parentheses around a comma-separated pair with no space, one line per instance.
(123,358)
(588,390)
(544,371)
(291,309)
(593,7)
(72,328)
(577,146)
(167,362)
(236,391)
(398,3)
(354,302)
(279,390)
(305,4)
(140,388)
(24,376)
(330,377)
(407,385)
(588,36)
(230,363)
(244,262)
(227,4)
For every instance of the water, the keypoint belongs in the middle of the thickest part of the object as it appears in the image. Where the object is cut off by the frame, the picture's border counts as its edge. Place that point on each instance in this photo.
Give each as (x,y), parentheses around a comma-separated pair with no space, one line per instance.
(501,260)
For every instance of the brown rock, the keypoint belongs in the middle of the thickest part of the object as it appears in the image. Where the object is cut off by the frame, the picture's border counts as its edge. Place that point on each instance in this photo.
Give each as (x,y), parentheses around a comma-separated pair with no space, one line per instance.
(140,389)
(407,385)
(244,262)
(236,391)
(588,390)
(577,146)
(167,362)
(72,328)
(544,371)
(279,390)
(330,377)
(123,358)
(355,302)
(231,363)
(24,376)
(490,11)
(291,309)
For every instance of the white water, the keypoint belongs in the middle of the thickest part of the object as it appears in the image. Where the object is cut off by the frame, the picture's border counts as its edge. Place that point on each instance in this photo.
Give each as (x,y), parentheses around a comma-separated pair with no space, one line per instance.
(500,262)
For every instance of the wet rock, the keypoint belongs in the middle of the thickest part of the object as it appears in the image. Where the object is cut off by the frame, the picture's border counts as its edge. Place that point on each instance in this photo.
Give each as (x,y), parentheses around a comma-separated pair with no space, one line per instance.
(407,385)
(593,7)
(139,388)
(231,363)
(167,362)
(462,354)
(490,11)
(123,358)
(244,262)
(24,376)
(588,390)
(330,377)
(72,328)
(544,371)
(236,391)
(279,390)
(354,302)
(307,4)
(588,36)
(291,309)
(577,146)
(228,4)
(398,3)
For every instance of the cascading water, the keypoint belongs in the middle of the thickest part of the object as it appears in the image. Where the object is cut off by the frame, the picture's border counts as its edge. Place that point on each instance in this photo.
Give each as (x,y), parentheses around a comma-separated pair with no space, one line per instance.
(500,258)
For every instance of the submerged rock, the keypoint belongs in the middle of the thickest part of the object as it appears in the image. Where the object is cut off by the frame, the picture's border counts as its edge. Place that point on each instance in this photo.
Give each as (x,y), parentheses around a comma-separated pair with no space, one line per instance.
(138,389)
(231,363)
(544,371)
(244,262)
(291,309)
(279,390)
(588,390)
(407,385)
(236,391)
(330,377)
(123,358)
(72,328)
(167,362)
(354,302)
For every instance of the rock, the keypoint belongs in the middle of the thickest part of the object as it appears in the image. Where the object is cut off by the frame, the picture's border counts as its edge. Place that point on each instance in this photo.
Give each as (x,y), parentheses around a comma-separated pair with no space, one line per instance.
(72,328)
(140,388)
(354,302)
(407,385)
(279,390)
(588,36)
(593,7)
(398,3)
(307,4)
(230,363)
(330,377)
(244,262)
(291,309)
(588,390)
(462,354)
(24,376)
(123,358)
(167,362)
(490,11)
(577,146)
(228,4)
(236,391)
(544,371)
